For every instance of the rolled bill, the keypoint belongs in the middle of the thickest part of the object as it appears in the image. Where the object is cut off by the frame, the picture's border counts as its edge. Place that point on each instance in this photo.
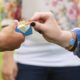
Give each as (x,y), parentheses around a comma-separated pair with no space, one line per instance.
(24,28)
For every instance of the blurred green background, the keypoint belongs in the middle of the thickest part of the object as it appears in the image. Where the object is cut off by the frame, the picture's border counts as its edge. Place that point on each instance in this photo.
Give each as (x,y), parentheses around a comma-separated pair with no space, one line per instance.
(1,10)
(0,64)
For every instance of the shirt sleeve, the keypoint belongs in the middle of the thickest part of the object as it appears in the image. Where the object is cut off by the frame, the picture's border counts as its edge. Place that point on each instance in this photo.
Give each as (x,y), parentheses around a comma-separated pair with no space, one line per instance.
(77,50)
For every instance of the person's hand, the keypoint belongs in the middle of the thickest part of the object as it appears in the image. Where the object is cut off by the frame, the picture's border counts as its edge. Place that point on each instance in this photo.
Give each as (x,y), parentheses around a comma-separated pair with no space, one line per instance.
(9,70)
(10,39)
(47,25)
(49,28)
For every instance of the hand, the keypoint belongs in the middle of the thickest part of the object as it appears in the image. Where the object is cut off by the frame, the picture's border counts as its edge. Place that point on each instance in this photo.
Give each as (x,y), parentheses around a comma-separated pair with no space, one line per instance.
(47,25)
(51,31)
(10,39)
(9,71)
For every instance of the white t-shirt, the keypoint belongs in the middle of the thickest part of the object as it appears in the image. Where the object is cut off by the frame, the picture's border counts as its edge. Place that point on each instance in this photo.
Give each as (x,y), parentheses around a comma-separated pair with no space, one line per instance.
(37,51)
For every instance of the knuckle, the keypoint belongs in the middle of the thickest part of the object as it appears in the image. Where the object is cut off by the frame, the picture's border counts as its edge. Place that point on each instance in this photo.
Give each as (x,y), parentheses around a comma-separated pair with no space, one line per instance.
(6,72)
(50,14)
(9,74)
(37,13)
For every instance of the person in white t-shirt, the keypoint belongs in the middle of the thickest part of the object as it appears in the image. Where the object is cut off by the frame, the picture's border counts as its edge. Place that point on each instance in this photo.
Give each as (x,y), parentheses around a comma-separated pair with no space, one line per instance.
(38,59)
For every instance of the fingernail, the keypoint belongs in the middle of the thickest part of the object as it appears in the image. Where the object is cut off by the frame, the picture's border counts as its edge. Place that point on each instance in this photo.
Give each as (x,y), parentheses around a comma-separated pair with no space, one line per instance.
(33,24)
(40,32)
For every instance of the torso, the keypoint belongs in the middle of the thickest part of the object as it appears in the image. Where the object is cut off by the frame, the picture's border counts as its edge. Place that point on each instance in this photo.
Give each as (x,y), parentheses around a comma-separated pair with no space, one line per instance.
(36,51)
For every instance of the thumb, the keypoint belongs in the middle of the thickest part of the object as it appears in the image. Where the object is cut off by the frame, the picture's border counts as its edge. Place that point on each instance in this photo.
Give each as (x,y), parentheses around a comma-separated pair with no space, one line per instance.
(14,25)
(38,26)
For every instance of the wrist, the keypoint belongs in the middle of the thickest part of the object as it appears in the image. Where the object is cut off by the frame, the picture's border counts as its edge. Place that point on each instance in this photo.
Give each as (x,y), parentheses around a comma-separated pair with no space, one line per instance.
(64,38)
(72,42)
(68,40)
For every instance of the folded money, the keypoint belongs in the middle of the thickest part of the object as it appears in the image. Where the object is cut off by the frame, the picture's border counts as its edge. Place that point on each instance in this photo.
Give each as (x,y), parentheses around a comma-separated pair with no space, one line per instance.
(24,28)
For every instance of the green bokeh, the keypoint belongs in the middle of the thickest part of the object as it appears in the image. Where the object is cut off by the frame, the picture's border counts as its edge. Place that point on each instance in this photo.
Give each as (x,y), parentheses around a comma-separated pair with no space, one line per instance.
(0,64)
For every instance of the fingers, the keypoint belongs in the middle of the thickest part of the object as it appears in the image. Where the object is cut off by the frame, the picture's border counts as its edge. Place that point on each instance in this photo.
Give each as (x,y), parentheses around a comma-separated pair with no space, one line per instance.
(33,24)
(20,38)
(41,15)
(8,77)
(9,74)
(38,26)
(14,25)
(15,72)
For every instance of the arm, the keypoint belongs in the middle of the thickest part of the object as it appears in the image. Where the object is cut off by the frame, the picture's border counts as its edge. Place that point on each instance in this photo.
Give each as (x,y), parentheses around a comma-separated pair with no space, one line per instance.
(51,31)
(9,70)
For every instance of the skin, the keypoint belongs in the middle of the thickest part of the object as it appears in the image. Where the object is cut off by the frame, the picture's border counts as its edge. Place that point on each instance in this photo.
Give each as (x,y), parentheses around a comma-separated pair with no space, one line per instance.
(10,39)
(49,28)
(51,31)
(10,69)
